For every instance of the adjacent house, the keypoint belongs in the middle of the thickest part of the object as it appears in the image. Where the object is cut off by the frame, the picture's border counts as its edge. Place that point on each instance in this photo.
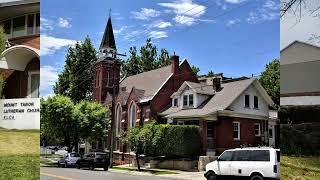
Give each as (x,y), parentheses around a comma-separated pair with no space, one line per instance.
(299,77)
(229,114)
(20,64)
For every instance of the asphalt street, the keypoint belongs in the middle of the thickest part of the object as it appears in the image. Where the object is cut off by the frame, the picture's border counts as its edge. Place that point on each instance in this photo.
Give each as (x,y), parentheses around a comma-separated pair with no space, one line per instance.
(53,173)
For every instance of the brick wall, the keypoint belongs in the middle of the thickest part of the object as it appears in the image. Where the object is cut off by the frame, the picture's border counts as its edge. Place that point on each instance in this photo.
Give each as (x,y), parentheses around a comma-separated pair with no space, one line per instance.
(224,133)
(32,41)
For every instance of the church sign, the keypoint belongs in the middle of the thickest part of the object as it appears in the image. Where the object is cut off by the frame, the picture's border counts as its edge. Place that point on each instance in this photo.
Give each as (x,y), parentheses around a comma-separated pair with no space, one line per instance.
(21,113)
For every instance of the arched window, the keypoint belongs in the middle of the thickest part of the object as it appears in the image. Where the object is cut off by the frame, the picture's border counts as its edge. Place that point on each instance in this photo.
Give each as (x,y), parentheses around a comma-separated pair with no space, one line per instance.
(118,119)
(132,114)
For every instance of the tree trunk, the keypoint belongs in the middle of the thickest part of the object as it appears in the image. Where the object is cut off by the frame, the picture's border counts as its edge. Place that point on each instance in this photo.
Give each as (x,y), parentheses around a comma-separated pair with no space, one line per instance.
(138,163)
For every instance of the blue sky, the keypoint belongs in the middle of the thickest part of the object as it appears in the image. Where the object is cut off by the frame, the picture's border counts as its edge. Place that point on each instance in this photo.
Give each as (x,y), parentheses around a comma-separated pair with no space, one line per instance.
(236,37)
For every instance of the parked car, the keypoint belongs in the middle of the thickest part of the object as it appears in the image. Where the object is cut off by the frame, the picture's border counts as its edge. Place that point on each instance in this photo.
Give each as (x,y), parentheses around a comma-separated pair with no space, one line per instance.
(257,163)
(94,160)
(68,159)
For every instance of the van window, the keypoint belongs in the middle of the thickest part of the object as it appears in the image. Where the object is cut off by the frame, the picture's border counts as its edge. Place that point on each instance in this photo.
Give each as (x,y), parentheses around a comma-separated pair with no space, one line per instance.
(278,156)
(260,155)
(243,155)
(226,156)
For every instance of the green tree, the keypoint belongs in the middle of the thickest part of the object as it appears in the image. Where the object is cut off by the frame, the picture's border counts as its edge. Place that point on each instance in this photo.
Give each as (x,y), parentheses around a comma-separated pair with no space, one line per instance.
(76,79)
(195,69)
(57,120)
(135,142)
(210,73)
(164,58)
(93,122)
(270,80)
(148,56)
(2,84)
(2,40)
(133,65)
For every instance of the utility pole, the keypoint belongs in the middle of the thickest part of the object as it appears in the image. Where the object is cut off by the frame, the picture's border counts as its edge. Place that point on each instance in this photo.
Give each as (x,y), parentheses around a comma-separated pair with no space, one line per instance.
(112,114)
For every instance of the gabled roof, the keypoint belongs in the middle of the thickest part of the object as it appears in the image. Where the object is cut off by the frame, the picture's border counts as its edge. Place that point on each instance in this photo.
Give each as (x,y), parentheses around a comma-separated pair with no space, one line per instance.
(149,82)
(296,41)
(198,88)
(108,40)
(220,101)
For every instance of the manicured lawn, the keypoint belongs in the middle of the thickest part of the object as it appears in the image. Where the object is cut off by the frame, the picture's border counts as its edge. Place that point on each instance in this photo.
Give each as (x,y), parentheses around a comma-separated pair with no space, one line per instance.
(300,168)
(19,154)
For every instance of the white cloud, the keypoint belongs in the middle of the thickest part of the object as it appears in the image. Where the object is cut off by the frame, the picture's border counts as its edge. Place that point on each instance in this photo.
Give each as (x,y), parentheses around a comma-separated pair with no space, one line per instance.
(120,30)
(163,24)
(45,24)
(49,75)
(185,20)
(235,1)
(64,23)
(158,34)
(233,22)
(268,11)
(145,14)
(49,44)
(185,7)
(186,12)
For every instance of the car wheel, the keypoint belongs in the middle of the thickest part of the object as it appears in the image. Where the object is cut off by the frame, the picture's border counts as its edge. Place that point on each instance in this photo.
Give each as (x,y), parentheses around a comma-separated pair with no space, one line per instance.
(106,168)
(91,167)
(256,177)
(78,166)
(212,176)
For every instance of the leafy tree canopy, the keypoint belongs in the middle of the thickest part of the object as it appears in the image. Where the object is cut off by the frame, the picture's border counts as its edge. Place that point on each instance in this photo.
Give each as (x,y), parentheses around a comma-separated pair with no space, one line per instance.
(270,80)
(76,79)
(2,39)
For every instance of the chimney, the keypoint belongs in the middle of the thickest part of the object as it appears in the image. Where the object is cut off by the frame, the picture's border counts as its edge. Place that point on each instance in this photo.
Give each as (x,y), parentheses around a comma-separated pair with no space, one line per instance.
(175,64)
(216,83)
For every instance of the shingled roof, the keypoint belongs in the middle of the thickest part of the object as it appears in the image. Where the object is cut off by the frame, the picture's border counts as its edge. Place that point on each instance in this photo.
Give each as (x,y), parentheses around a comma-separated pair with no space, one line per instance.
(221,100)
(147,83)
(108,40)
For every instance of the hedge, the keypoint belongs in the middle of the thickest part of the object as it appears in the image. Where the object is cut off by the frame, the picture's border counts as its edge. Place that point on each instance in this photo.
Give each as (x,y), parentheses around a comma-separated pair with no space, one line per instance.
(176,141)
(300,139)
(299,114)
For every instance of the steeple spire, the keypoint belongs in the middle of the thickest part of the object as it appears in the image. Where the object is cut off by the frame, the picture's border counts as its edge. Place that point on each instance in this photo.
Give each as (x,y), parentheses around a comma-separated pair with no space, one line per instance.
(108,42)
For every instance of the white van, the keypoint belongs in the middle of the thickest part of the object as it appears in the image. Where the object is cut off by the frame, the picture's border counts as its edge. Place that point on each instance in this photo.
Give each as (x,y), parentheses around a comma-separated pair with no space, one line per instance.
(254,162)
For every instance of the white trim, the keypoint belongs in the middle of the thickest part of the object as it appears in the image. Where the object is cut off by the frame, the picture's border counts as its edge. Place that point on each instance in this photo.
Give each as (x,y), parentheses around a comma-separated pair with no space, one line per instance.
(239,129)
(145,100)
(30,73)
(259,134)
(300,100)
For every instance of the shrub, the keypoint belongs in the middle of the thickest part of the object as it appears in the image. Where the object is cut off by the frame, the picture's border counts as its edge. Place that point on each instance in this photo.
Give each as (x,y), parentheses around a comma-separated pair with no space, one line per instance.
(299,114)
(176,141)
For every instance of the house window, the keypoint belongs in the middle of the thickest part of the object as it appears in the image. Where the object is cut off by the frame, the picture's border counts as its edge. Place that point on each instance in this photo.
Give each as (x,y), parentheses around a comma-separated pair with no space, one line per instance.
(247,101)
(185,100)
(33,84)
(257,130)
(191,100)
(270,133)
(23,25)
(236,130)
(175,102)
(132,114)
(118,119)
(18,26)
(256,104)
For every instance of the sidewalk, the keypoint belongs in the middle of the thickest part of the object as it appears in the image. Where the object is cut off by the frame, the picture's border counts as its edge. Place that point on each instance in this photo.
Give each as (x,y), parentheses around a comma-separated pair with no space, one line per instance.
(179,174)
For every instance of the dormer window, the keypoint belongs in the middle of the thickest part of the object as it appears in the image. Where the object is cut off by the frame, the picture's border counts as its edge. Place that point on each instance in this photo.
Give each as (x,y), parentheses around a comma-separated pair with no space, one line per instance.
(247,101)
(188,100)
(191,100)
(185,100)
(175,102)
(256,102)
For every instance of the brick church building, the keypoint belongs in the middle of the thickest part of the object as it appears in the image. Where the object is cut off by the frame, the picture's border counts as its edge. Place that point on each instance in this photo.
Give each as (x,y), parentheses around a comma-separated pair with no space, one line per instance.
(140,97)
(228,114)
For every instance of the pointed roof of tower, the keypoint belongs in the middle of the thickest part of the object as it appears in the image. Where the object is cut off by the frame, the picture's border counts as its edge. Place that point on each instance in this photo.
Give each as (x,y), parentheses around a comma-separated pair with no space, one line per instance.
(108,40)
